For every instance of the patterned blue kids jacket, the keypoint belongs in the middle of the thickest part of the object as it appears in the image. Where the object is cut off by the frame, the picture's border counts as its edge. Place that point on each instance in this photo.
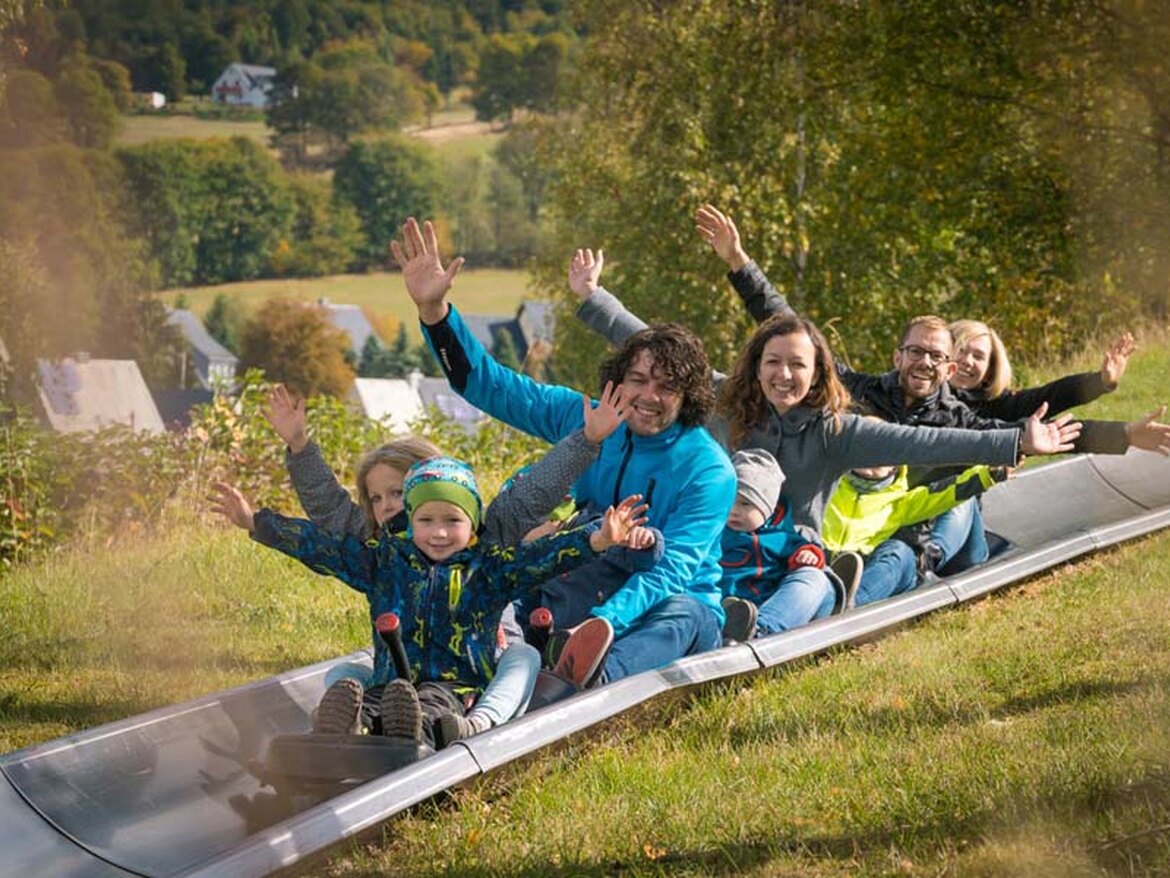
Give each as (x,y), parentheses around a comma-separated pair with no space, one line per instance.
(449,610)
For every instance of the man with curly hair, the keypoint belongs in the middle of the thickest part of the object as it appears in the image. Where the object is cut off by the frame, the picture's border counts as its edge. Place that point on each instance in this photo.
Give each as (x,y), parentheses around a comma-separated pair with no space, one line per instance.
(662,452)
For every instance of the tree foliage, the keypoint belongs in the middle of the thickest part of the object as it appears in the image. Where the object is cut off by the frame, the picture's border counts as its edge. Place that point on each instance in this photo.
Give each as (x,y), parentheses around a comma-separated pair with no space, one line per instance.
(295,344)
(387,181)
(880,160)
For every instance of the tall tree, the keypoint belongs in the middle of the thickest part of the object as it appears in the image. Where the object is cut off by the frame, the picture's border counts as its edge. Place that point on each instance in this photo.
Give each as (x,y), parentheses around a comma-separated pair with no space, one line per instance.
(296,345)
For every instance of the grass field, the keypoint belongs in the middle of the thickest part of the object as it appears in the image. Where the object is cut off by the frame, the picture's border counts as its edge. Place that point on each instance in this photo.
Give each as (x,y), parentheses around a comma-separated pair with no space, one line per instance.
(482,291)
(1024,735)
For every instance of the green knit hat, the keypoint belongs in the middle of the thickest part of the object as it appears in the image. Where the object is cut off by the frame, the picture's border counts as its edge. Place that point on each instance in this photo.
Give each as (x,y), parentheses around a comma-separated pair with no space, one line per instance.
(446,479)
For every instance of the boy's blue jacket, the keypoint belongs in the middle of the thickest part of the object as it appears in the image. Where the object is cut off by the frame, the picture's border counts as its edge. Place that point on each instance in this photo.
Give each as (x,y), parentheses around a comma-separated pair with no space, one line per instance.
(755,561)
(682,472)
(448,611)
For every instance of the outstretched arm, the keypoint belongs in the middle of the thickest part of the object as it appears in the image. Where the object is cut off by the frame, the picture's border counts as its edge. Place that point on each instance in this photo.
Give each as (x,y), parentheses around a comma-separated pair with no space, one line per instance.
(325,501)
(1116,359)
(761,299)
(532,496)
(426,280)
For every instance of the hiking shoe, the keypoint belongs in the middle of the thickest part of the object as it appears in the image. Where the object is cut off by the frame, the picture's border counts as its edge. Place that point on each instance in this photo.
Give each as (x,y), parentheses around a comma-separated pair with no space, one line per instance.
(740,625)
(584,653)
(848,566)
(452,727)
(340,709)
(401,712)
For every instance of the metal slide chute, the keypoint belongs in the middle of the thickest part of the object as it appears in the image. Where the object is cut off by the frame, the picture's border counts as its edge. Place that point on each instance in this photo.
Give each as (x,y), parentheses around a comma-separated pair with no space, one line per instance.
(153,795)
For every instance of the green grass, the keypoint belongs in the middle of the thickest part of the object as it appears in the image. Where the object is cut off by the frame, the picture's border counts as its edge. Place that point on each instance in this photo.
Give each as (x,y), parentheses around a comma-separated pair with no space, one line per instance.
(139,129)
(480,291)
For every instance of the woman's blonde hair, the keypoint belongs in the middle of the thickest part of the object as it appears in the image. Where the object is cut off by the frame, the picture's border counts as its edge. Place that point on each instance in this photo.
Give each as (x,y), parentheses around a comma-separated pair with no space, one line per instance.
(398,454)
(741,399)
(999,367)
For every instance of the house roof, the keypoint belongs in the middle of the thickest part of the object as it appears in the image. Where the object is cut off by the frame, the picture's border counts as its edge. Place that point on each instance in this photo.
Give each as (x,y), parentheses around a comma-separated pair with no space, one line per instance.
(393,401)
(438,393)
(537,321)
(255,72)
(198,337)
(175,404)
(352,321)
(81,395)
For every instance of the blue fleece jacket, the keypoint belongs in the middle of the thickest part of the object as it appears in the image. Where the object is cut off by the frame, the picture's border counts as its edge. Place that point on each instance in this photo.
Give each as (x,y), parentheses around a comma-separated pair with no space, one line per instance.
(755,561)
(682,472)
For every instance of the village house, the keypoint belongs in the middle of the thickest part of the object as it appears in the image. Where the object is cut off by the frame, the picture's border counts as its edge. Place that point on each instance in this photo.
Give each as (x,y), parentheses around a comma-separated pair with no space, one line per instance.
(244,85)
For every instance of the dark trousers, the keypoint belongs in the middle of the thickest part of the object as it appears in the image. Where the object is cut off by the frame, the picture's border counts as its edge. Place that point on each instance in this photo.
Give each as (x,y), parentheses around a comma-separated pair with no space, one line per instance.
(435,699)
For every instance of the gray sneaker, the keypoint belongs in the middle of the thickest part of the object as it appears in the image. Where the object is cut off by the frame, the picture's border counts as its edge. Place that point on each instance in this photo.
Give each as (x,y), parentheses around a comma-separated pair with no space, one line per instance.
(740,625)
(401,711)
(848,566)
(340,709)
(454,727)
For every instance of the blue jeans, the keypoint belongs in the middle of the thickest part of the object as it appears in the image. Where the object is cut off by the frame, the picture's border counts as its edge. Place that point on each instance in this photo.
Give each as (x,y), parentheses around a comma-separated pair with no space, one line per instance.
(510,690)
(804,594)
(959,535)
(890,569)
(680,625)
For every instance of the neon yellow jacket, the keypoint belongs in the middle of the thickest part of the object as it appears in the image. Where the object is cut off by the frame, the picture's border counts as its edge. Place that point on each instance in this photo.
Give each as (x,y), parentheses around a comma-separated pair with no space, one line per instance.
(857,520)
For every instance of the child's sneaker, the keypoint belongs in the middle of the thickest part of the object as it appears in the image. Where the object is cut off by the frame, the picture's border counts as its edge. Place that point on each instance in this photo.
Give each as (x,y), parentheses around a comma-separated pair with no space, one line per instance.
(401,712)
(454,727)
(340,709)
(584,652)
(849,566)
(740,625)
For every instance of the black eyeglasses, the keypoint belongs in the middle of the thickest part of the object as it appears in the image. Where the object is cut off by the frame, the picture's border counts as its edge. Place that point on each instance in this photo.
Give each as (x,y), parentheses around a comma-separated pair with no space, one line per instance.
(917,354)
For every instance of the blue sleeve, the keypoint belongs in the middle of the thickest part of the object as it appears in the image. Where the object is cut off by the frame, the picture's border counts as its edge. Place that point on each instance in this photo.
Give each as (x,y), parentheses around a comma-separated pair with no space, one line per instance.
(344,556)
(545,410)
(691,535)
(637,560)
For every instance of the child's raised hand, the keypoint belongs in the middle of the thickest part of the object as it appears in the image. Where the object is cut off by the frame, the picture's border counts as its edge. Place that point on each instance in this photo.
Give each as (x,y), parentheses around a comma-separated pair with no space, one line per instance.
(230,503)
(585,272)
(611,410)
(618,522)
(286,414)
(640,538)
(1116,359)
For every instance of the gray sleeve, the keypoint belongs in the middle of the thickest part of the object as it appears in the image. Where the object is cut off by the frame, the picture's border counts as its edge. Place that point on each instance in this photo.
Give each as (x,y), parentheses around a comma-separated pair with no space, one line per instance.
(327,504)
(530,499)
(604,313)
(864,442)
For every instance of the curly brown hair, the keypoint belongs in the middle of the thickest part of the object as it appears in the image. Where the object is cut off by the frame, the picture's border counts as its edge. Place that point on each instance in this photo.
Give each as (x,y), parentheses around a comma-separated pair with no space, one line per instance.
(679,356)
(742,401)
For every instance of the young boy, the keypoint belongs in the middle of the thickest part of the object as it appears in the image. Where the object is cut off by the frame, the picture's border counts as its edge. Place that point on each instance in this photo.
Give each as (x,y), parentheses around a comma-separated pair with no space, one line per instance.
(871,505)
(761,546)
(447,590)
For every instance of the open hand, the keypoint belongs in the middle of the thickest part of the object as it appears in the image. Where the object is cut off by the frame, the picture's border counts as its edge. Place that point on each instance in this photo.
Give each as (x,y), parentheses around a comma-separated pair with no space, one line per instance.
(1055,437)
(230,503)
(427,282)
(718,230)
(585,272)
(1116,359)
(611,410)
(618,522)
(1149,435)
(286,414)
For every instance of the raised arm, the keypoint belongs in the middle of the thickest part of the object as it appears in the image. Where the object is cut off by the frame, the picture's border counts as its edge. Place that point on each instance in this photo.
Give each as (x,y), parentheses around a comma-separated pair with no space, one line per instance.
(761,299)
(345,557)
(531,497)
(325,501)
(544,410)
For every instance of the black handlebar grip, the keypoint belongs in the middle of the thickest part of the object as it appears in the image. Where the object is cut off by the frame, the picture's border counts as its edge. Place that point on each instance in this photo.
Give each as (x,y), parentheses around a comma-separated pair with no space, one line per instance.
(390,630)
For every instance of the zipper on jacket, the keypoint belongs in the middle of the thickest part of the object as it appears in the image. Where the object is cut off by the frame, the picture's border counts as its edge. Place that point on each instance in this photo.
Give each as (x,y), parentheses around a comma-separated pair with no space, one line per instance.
(629,449)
